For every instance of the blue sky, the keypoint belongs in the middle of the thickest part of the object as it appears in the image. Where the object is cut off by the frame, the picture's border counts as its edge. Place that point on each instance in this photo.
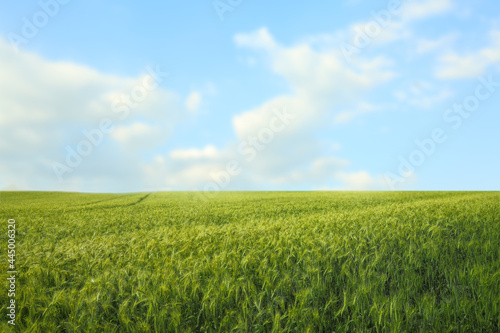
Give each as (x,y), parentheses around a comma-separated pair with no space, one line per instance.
(119,96)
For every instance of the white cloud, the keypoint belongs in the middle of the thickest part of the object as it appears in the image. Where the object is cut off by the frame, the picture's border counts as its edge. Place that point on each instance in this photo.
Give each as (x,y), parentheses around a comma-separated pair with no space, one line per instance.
(471,65)
(423,94)
(325,173)
(453,66)
(261,39)
(138,136)
(429,100)
(347,115)
(325,167)
(424,45)
(336,146)
(193,101)
(251,122)
(186,169)
(393,25)
(360,181)
(319,172)
(418,10)
(209,152)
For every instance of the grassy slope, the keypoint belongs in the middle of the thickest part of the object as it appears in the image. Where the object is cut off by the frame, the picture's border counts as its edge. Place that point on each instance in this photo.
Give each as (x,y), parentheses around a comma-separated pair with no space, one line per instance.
(255,261)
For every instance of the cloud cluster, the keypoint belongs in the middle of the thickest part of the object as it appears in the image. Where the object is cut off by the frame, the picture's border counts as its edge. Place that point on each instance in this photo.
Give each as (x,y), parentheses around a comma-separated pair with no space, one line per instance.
(48,107)
(470,65)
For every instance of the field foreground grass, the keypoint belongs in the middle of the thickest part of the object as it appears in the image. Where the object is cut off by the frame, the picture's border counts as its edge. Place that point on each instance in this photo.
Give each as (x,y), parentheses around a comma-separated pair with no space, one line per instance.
(254,262)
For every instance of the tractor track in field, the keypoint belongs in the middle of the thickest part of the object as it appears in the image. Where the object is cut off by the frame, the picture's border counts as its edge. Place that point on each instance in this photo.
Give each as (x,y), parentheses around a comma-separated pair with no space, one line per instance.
(141,199)
(100,201)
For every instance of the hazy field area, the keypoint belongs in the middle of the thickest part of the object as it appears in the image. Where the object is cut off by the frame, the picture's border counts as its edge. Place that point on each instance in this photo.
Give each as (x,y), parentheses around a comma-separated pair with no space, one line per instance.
(254,262)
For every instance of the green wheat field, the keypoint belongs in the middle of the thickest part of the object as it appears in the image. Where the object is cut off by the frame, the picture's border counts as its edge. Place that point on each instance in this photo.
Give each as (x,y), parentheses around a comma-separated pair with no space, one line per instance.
(254,262)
